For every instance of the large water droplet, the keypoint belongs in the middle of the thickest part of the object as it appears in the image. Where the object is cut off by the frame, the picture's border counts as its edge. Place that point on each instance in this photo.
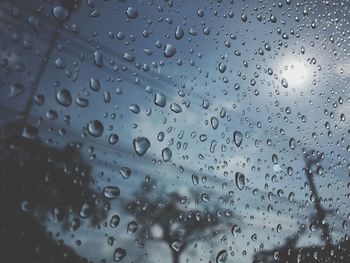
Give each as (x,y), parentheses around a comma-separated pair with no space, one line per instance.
(141,145)
(64,98)
(240,180)
(95,128)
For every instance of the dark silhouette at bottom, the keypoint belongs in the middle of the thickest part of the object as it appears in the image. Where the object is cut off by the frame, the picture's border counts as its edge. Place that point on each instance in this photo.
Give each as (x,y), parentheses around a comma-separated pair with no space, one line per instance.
(40,184)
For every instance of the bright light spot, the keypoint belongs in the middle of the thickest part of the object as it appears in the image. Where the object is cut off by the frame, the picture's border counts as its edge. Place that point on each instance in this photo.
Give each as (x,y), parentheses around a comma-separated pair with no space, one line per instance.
(295,72)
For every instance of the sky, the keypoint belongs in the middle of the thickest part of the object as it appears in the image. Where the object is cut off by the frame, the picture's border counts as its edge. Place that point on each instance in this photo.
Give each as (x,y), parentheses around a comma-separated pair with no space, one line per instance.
(271,70)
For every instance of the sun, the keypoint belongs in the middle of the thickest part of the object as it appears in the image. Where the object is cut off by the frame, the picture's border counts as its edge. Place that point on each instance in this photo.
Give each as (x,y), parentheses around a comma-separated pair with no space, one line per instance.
(295,72)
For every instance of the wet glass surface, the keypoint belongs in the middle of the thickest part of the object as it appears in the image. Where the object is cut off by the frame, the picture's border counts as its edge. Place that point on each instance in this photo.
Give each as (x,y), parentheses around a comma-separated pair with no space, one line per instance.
(174,131)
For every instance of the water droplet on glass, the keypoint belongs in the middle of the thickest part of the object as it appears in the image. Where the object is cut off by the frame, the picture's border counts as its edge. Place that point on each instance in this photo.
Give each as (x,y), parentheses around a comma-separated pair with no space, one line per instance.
(160,99)
(195,179)
(235,230)
(284,83)
(132,228)
(60,13)
(95,128)
(141,145)
(237,138)
(111,192)
(125,172)
(98,59)
(85,210)
(222,256)
(240,180)
(134,108)
(132,13)
(95,84)
(175,108)
(64,98)
(222,67)
(244,18)
(214,122)
(119,254)
(113,138)
(166,154)
(129,57)
(169,51)
(114,222)
(274,159)
(179,32)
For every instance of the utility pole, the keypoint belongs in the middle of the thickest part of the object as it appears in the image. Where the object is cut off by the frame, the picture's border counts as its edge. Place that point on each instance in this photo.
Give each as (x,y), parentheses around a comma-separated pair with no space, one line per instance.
(311,159)
(68,6)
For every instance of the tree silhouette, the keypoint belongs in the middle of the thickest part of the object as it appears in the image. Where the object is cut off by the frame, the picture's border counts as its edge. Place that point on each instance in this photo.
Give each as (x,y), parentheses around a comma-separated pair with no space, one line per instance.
(338,253)
(39,183)
(179,223)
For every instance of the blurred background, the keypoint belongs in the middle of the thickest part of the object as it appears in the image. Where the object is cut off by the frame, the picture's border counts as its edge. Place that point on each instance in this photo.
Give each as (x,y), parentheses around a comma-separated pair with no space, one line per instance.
(175,131)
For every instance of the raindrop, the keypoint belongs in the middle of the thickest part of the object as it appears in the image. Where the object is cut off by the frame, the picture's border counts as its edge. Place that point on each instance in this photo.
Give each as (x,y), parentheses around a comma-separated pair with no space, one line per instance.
(175,108)
(129,57)
(111,192)
(85,210)
(169,51)
(244,18)
(95,128)
(222,67)
(125,172)
(195,179)
(274,159)
(132,12)
(179,32)
(132,227)
(113,138)
(134,108)
(114,222)
(222,256)
(98,59)
(160,99)
(240,180)
(237,138)
(214,122)
(292,143)
(141,145)
(60,13)
(284,83)
(166,154)
(64,98)
(95,84)
(235,230)
(119,254)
